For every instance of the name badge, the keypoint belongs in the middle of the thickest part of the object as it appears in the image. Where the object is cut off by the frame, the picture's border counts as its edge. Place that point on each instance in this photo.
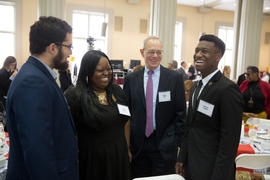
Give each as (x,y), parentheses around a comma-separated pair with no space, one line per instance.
(206,108)
(164,96)
(124,110)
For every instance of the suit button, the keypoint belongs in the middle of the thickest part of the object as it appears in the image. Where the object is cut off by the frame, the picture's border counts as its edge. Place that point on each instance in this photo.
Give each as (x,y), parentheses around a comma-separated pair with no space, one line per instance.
(76,137)
(77,161)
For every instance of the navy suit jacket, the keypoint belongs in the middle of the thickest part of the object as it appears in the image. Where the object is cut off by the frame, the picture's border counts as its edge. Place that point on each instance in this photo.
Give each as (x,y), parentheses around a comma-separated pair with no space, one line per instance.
(211,141)
(170,115)
(43,139)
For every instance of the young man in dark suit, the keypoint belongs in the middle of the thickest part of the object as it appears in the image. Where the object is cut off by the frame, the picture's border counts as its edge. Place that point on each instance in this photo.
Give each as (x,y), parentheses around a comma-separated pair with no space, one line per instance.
(157,125)
(214,119)
(43,139)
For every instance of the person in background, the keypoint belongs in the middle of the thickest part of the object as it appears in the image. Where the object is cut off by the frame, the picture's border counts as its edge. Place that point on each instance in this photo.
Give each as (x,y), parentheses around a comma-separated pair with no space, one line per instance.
(7,73)
(41,129)
(265,77)
(227,71)
(136,68)
(191,72)
(182,70)
(65,79)
(188,84)
(241,78)
(214,119)
(256,95)
(101,115)
(173,65)
(158,112)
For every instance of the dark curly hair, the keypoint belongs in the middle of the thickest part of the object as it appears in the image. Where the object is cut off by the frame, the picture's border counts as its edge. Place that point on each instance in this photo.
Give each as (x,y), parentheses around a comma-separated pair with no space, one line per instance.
(46,31)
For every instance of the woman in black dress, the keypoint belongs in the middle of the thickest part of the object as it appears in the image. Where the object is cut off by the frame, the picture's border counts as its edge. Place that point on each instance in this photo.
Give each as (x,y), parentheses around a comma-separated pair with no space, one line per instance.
(101,115)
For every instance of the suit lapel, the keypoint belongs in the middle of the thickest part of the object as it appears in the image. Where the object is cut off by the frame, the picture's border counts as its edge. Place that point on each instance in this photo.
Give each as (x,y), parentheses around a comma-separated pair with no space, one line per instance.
(139,80)
(211,83)
(41,66)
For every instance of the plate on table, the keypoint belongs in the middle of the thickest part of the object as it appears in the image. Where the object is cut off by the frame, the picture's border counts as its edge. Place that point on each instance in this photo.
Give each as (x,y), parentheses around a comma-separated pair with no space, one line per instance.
(261,132)
(266,137)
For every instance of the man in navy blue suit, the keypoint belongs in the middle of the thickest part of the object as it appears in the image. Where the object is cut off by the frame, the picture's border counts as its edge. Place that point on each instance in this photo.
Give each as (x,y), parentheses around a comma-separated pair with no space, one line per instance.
(155,154)
(43,139)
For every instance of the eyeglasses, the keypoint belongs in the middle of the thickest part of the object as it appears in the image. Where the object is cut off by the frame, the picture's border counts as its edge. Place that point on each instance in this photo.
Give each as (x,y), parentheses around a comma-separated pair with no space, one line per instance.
(151,52)
(68,46)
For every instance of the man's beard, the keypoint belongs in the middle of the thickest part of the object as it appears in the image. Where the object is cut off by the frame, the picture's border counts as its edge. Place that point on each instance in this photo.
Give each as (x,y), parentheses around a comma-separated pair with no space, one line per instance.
(57,61)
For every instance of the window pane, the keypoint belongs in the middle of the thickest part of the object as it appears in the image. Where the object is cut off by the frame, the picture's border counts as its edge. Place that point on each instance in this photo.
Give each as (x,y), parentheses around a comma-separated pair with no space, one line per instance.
(80,25)
(99,45)
(229,43)
(6,18)
(178,41)
(80,47)
(95,25)
(6,46)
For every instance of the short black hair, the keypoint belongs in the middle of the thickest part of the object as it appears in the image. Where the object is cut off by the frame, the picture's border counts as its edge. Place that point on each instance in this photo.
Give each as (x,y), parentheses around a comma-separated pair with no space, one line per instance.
(46,31)
(217,41)
(254,69)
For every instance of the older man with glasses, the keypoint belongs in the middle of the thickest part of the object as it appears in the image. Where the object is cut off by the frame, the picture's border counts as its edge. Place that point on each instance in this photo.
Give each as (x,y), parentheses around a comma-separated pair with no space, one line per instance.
(158,111)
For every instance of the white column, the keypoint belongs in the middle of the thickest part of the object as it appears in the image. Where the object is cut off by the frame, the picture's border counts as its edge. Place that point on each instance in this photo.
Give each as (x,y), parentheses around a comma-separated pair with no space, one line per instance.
(248,45)
(54,8)
(162,25)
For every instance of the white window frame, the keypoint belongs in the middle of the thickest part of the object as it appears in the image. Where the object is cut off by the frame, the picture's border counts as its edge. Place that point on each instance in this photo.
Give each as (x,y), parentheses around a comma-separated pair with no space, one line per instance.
(72,8)
(17,34)
(226,60)
(179,39)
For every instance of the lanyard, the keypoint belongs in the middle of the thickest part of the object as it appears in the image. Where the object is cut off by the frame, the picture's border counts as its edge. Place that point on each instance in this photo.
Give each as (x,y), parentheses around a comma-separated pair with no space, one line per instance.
(252,91)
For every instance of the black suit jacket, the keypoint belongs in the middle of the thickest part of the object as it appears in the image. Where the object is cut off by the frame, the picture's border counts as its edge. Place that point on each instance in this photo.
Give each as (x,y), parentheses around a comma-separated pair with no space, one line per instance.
(210,144)
(170,116)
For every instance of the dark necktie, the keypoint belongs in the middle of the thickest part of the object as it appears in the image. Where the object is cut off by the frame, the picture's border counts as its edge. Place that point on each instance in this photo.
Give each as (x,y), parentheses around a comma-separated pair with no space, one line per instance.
(196,93)
(149,105)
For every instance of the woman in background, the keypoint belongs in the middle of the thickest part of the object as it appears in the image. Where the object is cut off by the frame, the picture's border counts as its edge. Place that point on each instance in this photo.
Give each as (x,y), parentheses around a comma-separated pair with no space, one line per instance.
(256,95)
(7,73)
(188,84)
(101,115)
(227,71)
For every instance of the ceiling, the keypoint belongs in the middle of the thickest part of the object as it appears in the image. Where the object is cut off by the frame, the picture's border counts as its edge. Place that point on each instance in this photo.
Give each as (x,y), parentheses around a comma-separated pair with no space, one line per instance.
(228,5)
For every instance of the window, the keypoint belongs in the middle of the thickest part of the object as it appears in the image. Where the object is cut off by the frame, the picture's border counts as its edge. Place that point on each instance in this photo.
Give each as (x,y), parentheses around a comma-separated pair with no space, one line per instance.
(7,32)
(86,24)
(178,41)
(226,34)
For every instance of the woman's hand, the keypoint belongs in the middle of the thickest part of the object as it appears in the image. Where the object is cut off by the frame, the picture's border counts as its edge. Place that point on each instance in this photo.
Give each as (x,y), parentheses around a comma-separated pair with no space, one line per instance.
(248,114)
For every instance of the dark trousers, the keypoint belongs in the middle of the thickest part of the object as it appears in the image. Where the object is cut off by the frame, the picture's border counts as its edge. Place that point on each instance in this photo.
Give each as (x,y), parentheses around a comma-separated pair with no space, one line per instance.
(150,162)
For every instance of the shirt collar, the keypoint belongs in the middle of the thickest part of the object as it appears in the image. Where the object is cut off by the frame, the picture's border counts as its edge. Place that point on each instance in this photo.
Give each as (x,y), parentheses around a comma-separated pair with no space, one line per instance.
(54,75)
(207,78)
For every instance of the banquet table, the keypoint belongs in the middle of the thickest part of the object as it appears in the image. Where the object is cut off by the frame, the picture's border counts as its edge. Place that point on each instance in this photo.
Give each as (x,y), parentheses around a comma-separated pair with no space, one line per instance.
(246,147)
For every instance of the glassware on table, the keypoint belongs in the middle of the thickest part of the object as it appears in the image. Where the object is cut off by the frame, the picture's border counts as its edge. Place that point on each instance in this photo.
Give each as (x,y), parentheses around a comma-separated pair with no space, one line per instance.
(256,122)
(252,133)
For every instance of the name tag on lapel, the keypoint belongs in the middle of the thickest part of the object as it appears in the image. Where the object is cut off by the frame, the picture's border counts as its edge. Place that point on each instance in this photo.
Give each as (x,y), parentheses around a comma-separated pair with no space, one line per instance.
(164,96)
(206,108)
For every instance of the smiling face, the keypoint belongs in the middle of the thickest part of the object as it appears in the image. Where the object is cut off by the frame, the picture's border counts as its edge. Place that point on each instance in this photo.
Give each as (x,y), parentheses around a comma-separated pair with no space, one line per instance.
(102,75)
(152,53)
(206,57)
